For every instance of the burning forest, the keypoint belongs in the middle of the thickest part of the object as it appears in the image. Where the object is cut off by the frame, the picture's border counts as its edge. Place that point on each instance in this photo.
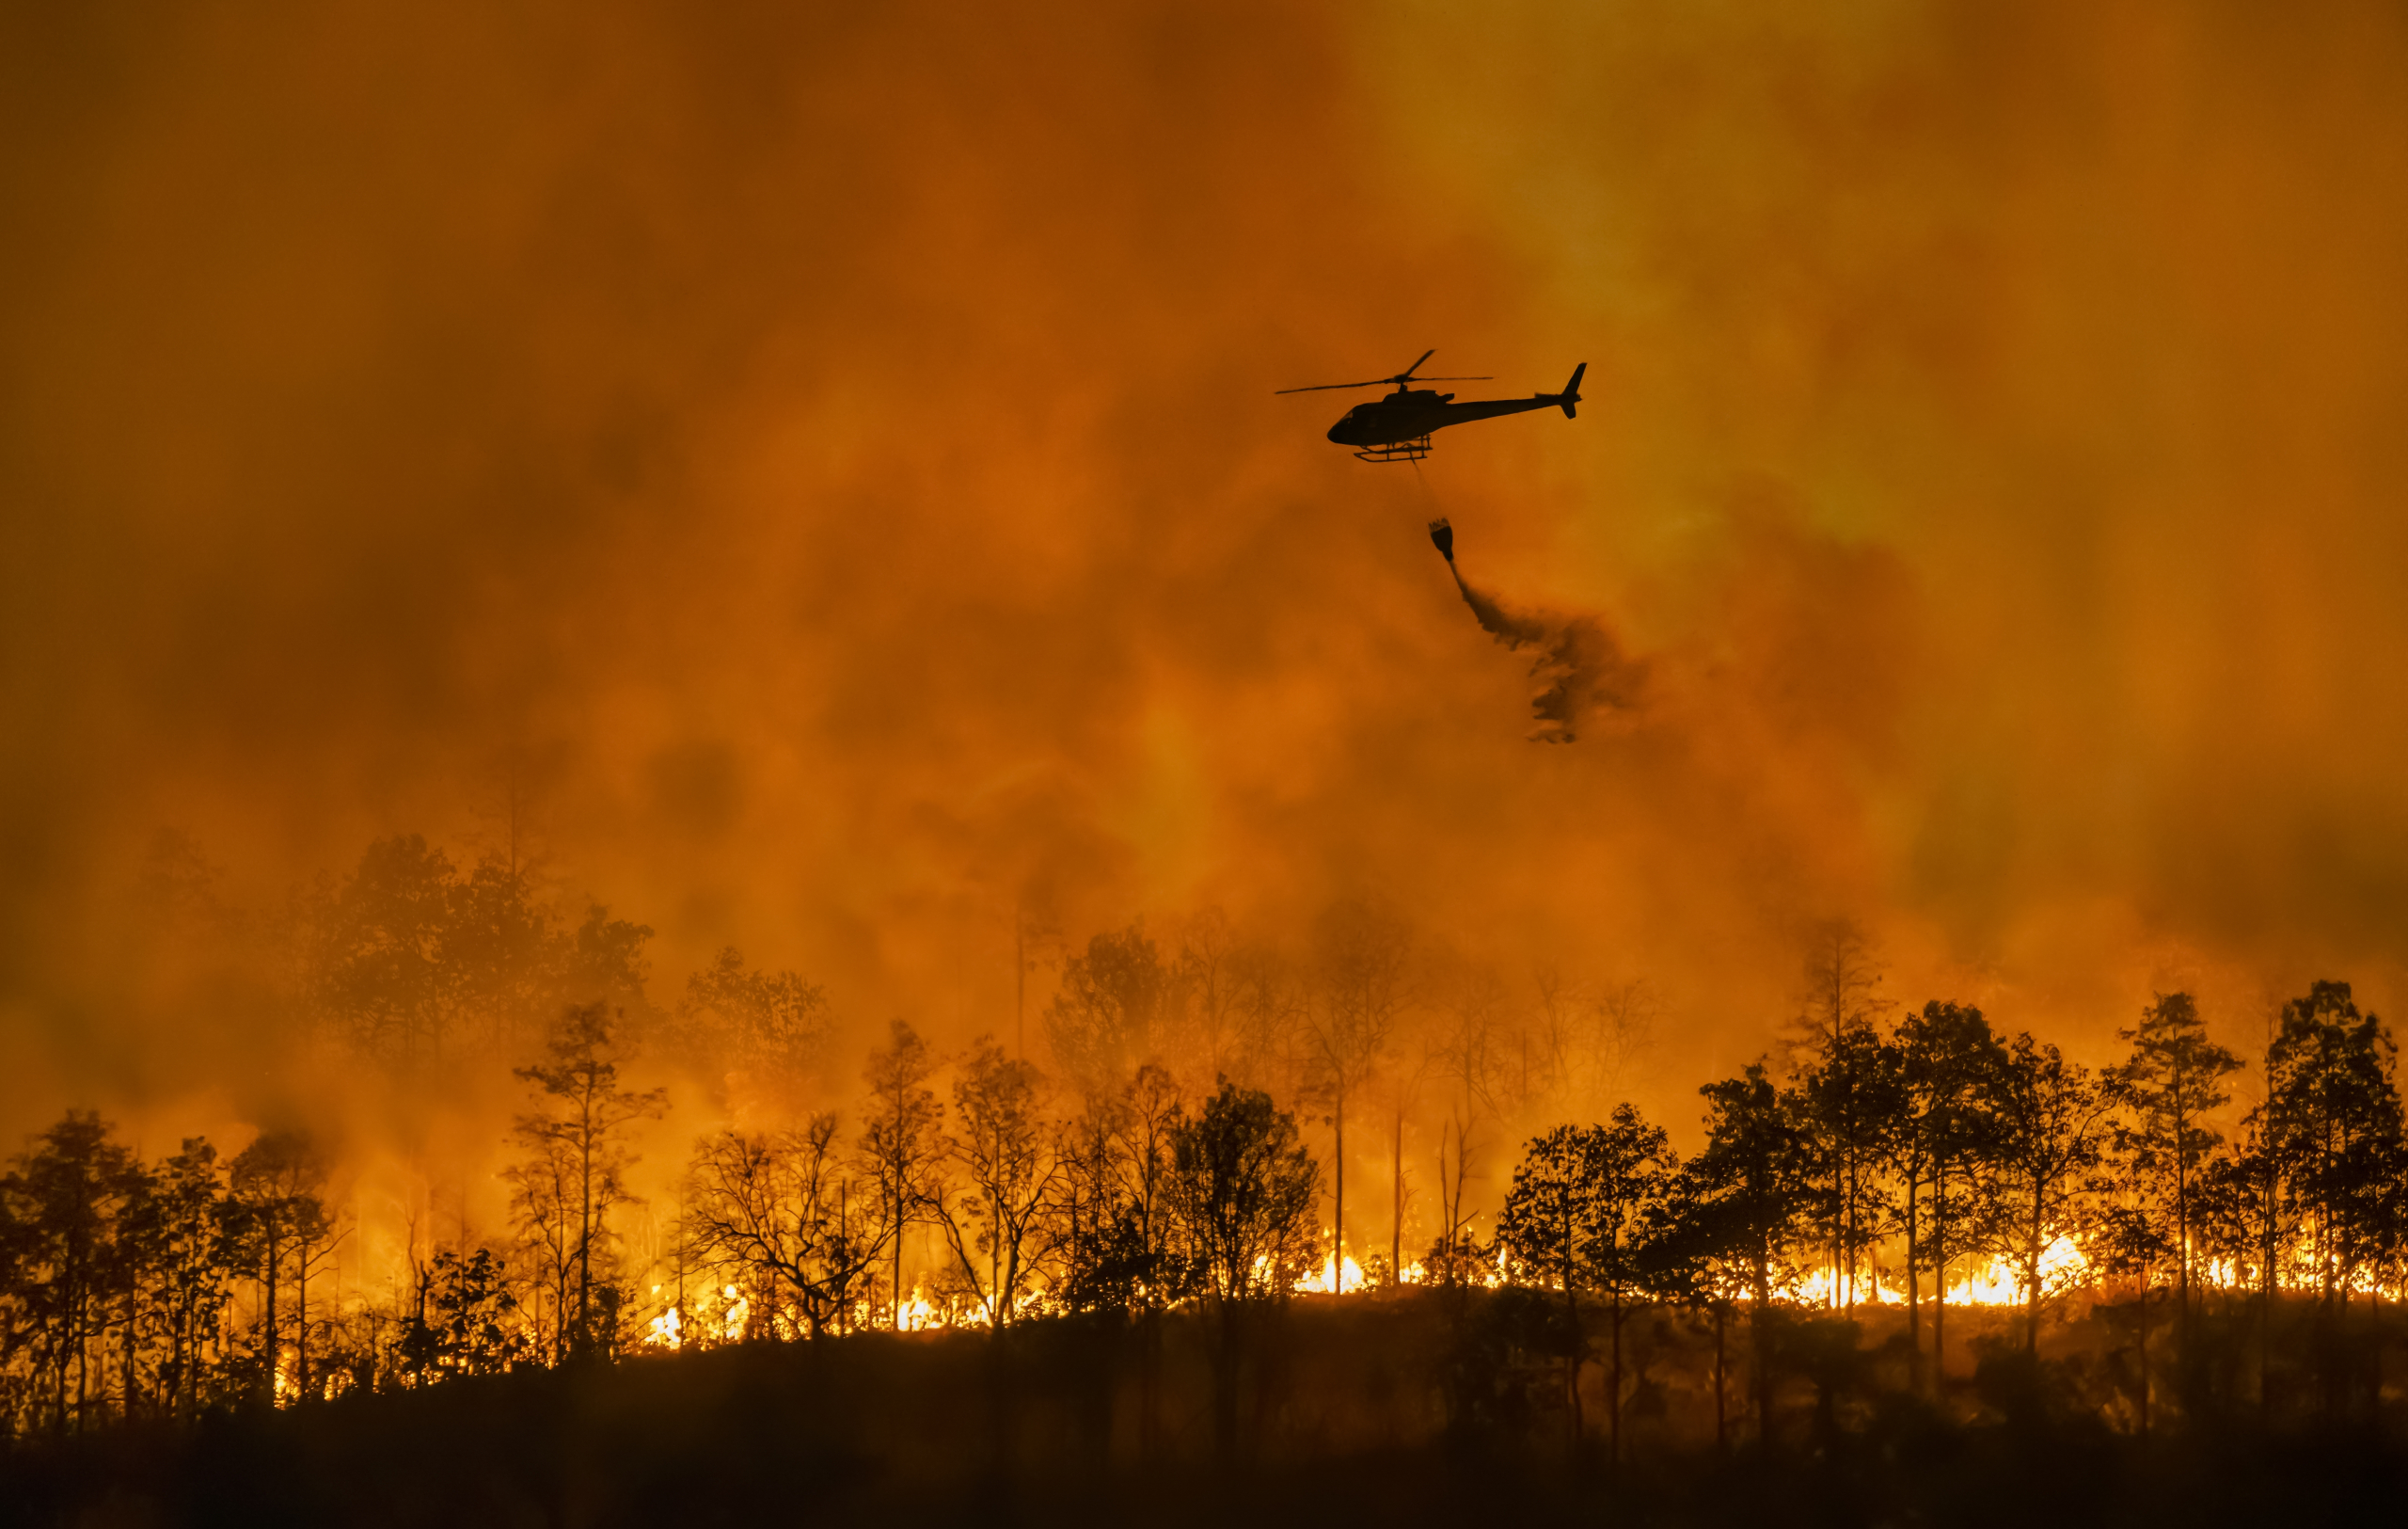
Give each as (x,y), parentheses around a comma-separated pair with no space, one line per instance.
(708,813)
(1897,1203)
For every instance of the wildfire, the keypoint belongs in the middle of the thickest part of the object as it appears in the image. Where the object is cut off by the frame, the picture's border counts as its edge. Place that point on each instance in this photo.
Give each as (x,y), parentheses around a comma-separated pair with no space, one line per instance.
(711,1318)
(665,1330)
(699,1321)
(1986,1282)
(1325,1279)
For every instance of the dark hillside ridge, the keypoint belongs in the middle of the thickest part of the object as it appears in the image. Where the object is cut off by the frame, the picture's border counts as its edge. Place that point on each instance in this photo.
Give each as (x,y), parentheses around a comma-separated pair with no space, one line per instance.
(1416,1409)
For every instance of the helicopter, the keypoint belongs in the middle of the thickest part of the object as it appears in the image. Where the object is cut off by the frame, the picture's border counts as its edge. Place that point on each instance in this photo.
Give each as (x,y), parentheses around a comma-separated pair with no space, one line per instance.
(1397,428)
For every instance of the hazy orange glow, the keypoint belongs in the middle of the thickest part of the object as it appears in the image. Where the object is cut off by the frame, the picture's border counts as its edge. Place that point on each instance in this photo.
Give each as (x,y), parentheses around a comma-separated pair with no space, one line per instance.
(824,460)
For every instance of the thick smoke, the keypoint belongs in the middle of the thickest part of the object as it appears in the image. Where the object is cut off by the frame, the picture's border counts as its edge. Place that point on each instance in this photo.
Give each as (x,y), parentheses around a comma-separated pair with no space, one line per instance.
(820,462)
(1578,666)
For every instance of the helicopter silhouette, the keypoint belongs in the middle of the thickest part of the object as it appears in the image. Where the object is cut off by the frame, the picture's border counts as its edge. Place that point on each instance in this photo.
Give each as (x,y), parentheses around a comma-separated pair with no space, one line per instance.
(1397,428)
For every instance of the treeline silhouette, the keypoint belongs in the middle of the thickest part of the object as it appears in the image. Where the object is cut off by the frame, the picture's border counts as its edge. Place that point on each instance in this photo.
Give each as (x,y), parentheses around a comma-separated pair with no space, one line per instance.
(1143,1216)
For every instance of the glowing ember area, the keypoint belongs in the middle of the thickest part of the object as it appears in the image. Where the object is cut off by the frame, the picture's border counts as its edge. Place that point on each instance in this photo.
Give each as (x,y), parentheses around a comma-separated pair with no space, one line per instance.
(1971,1281)
(921,1315)
(1327,1280)
(703,1320)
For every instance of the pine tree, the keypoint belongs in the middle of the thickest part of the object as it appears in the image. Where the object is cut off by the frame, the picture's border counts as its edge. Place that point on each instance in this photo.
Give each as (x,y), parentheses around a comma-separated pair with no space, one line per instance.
(2166,1090)
(2334,1128)
(1950,1063)
(2052,1124)
(276,1187)
(1756,1179)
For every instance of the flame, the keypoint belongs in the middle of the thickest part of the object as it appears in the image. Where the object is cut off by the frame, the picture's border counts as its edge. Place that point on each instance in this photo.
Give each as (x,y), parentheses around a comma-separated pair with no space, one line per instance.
(699,1321)
(1325,1279)
(665,1330)
(1983,1282)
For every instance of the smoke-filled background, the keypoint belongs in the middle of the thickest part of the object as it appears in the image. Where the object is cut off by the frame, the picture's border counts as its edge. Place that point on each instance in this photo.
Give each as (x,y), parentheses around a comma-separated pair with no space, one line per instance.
(808,478)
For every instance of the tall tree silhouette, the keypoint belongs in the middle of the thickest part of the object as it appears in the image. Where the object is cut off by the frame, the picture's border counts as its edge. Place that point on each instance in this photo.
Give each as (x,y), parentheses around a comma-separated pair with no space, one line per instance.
(1756,1180)
(1852,1097)
(2333,1127)
(1549,1227)
(997,1209)
(1952,1065)
(1847,1086)
(2050,1122)
(68,1198)
(1576,1217)
(2131,1237)
(192,1239)
(1244,1190)
(1361,953)
(2243,1219)
(1696,1253)
(581,1124)
(2166,1089)
(278,1186)
(900,1144)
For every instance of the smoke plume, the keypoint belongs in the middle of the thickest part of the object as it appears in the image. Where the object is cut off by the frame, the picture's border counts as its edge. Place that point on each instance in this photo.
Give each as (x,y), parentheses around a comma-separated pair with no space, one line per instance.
(806,479)
(1578,668)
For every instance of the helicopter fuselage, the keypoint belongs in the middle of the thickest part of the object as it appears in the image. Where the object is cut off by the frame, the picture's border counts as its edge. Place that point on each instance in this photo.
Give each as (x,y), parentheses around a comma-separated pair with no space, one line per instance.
(1411,413)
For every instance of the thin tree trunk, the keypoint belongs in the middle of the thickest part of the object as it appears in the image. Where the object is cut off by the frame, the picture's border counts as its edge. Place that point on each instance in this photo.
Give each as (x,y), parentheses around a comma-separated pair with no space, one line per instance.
(1338,1234)
(274,1348)
(2266,1303)
(1940,1282)
(126,1359)
(2143,1347)
(1847,1235)
(1613,1385)
(2032,1272)
(1760,1341)
(1572,1339)
(899,1167)
(83,1363)
(2182,1244)
(585,1221)
(1722,1387)
(301,1327)
(1914,1287)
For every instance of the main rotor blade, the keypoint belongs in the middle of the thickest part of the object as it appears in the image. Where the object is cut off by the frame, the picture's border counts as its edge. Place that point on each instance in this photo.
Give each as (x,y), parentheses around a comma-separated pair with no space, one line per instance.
(1375,382)
(1402,379)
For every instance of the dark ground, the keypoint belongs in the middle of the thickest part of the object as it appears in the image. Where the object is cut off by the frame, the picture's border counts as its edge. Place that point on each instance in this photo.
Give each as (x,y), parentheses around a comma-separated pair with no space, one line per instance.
(1362,1413)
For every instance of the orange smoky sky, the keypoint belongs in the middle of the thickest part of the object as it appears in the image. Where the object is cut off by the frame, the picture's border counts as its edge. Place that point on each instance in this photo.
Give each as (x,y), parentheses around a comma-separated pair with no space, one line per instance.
(823,460)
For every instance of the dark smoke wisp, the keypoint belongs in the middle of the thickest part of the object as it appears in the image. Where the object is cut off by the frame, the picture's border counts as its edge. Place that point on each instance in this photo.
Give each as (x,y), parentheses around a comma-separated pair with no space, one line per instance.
(1578,668)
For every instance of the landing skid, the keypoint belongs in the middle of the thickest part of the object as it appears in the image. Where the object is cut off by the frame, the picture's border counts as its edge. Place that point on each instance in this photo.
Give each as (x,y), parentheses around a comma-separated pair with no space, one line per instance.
(1400,451)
